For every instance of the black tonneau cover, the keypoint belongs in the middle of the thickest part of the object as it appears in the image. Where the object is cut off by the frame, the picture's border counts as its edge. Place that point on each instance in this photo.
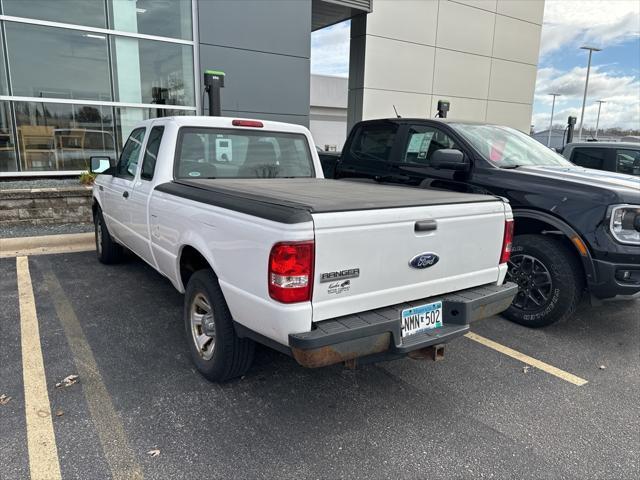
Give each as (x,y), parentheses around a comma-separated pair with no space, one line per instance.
(293,200)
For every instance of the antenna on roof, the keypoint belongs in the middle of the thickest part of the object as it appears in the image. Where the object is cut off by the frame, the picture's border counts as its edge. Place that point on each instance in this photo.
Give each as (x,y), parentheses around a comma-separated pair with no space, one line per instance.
(397,114)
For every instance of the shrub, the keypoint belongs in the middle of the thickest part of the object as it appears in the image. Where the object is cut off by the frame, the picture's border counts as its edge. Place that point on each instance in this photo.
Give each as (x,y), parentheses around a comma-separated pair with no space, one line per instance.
(87,178)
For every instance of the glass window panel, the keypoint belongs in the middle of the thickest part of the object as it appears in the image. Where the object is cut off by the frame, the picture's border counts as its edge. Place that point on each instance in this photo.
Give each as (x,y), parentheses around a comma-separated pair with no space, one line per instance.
(4,90)
(374,142)
(423,142)
(222,153)
(8,162)
(151,153)
(78,12)
(147,71)
(55,136)
(164,18)
(589,157)
(128,163)
(58,63)
(128,118)
(628,161)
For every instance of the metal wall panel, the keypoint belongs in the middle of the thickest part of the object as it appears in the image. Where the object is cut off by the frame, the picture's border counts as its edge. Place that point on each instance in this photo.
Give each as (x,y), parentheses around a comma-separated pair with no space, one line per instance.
(260,83)
(364,5)
(264,49)
(277,26)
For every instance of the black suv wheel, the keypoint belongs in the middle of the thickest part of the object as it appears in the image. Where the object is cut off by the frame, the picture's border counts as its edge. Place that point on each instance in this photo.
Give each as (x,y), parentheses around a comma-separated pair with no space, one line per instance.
(550,280)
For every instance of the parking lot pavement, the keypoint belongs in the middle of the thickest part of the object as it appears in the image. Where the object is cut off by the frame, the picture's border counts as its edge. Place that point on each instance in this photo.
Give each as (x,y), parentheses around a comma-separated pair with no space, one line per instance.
(477,414)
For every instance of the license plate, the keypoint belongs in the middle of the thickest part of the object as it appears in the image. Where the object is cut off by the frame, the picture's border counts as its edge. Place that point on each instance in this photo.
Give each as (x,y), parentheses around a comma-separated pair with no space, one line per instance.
(418,319)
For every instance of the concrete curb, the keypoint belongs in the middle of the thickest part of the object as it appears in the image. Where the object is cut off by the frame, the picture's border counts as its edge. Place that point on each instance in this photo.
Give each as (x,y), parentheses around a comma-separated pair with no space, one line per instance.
(46,244)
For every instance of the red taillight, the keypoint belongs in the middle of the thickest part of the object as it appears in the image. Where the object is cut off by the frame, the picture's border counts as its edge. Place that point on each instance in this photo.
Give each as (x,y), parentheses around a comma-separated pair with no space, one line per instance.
(291,272)
(247,123)
(507,241)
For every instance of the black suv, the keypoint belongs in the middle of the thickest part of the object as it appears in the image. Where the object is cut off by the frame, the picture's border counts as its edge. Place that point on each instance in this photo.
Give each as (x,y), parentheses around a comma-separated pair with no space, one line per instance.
(612,156)
(576,228)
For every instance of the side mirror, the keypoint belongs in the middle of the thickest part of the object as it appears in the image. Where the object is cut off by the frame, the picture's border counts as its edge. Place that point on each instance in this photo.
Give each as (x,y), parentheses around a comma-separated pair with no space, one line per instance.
(102,165)
(449,159)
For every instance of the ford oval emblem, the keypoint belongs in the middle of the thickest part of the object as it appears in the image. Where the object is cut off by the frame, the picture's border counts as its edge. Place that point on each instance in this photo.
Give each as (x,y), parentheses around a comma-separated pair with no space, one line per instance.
(424,260)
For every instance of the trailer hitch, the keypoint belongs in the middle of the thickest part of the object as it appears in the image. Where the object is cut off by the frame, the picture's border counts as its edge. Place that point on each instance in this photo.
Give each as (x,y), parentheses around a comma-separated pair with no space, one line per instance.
(434,352)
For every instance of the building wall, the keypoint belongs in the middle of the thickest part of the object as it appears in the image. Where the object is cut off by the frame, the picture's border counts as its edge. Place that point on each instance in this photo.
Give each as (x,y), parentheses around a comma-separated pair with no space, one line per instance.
(267,73)
(328,116)
(481,55)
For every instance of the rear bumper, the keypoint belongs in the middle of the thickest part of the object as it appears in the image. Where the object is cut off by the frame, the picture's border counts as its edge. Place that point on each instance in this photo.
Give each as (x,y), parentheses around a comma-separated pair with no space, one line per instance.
(378,331)
(611,281)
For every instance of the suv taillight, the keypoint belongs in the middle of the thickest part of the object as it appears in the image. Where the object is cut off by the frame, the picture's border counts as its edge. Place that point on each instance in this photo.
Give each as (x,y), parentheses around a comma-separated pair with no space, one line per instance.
(291,271)
(507,241)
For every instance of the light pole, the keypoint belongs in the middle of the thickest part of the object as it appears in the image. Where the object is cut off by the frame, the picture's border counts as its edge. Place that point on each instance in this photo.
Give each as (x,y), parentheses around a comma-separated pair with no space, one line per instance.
(553,106)
(586,85)
(599,102)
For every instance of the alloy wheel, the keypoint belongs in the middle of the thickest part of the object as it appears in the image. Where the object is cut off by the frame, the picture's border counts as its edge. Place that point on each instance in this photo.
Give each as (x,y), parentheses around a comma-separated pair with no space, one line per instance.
(202,326)
(533,279)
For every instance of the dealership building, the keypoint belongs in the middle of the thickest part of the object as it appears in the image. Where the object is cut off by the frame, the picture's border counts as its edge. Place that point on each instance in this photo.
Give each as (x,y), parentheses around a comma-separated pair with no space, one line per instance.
(76,75)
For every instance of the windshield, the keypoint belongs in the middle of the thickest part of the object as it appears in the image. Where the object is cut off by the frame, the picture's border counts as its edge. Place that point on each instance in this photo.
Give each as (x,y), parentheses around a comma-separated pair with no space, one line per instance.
(506,147)
(237,153)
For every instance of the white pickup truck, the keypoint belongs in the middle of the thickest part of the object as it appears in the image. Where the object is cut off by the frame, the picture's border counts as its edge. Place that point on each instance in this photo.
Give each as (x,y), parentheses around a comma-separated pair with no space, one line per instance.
(236,214)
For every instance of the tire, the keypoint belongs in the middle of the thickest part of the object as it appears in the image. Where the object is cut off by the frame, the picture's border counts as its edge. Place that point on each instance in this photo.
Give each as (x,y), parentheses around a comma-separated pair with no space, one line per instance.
(553,293)
(108,251)
(224,355)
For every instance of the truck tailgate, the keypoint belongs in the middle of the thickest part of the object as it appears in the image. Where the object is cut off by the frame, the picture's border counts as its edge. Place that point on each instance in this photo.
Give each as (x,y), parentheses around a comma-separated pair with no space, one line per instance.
(363,257)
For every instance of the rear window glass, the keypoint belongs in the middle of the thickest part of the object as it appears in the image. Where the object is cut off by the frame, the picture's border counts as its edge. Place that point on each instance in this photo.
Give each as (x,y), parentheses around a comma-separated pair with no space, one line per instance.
(374,142)
(589,157)
(225,153)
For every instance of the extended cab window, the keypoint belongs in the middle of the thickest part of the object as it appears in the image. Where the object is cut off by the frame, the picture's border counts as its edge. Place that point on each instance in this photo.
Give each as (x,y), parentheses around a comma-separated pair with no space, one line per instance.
(628,161)
(589,157)
(423,141)
(128,163)
(374,142)
(151,152)
(222,153)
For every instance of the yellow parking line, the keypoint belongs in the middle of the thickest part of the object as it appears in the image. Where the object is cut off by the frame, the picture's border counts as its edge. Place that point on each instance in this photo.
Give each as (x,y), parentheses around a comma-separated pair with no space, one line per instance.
(118,454)
(545,367)
(41,441)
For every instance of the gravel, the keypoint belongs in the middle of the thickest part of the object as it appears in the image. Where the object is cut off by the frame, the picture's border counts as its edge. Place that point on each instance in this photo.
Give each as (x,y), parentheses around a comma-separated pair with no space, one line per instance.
(39,183)
(37,230)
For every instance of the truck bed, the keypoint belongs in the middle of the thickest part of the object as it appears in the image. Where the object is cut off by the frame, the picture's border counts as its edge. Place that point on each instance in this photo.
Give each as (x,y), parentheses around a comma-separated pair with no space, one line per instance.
(293,200)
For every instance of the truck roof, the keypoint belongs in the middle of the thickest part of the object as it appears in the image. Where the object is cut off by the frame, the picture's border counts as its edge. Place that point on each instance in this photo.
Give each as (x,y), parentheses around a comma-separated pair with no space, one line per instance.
(632,145)
(422,120)
(226,122)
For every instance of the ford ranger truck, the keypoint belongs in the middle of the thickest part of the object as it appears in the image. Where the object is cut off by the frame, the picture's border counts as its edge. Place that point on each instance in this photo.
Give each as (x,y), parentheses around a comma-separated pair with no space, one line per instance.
(237,215)
(577,229)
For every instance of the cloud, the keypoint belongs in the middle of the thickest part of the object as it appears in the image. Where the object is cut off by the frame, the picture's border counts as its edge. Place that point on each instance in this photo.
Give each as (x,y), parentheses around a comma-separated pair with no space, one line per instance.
(330,50)
(571,22)
(621,92)
(571,83)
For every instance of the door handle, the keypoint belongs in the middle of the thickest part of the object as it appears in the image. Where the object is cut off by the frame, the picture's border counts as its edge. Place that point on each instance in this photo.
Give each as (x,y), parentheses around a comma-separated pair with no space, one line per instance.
(125,194)
(426,226)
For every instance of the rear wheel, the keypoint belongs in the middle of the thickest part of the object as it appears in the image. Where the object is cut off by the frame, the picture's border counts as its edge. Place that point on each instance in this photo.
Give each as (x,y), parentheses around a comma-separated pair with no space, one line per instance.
(217,352)
(107,249)
(549,278)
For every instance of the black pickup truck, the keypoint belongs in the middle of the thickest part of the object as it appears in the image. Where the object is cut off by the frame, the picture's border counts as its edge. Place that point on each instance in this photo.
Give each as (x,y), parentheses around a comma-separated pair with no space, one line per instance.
(576,228)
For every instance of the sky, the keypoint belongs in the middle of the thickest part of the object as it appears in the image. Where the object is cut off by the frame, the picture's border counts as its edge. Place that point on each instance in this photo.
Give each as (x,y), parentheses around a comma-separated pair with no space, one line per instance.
(613,25)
